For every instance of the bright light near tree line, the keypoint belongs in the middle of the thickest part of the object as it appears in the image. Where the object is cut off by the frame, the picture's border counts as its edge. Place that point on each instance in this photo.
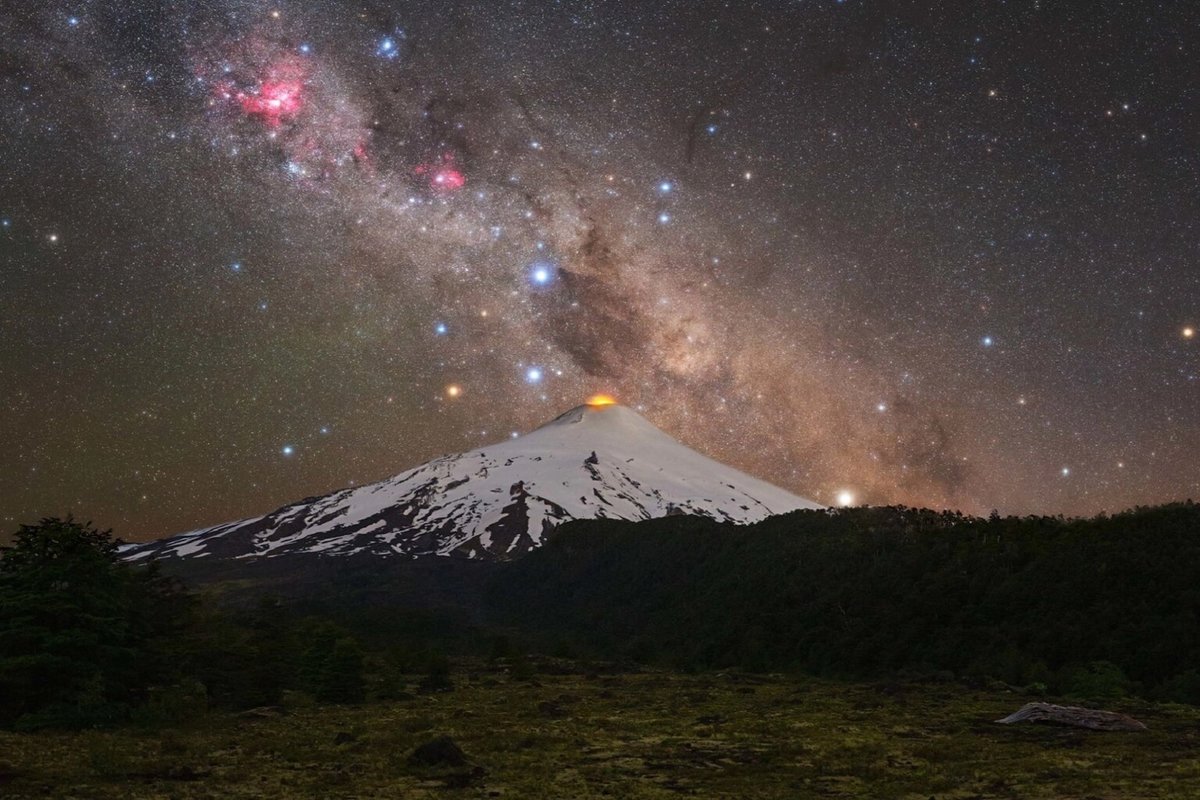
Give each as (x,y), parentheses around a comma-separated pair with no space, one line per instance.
(845,498)
(601,400)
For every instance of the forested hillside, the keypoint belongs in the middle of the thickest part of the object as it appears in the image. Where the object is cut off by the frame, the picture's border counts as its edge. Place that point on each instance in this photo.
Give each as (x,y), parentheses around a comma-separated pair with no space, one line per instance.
(1092,609)
(871,591)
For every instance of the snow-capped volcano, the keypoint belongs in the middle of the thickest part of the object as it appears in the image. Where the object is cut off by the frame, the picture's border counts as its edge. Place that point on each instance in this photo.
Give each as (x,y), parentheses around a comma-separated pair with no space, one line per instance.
(601,460)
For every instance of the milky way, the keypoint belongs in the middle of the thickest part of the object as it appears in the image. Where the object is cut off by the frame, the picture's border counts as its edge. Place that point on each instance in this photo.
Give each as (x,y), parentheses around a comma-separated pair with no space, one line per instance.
(252,252)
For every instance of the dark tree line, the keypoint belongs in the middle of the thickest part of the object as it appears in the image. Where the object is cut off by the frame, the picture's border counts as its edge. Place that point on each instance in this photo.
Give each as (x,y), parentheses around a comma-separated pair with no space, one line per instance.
(1028,600)
(81,635)
(1094,608)
(86,639)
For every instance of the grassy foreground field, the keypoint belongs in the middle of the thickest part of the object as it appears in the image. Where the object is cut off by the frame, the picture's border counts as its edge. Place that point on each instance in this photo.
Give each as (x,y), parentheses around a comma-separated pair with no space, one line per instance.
(643,735)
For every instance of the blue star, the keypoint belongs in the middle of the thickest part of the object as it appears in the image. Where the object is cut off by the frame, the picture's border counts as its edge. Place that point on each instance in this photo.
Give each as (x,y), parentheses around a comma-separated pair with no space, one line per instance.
(306,48)
(235,266)
(712,130)
(533,375)
(664,218)
(387,48)
(987,341)
(73,21)
(441,328)
(541,273)
(665,187)
(287,450)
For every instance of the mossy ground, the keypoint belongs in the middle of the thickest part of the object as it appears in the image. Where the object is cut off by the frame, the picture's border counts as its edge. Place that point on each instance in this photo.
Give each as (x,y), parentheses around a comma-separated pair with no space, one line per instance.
(641,735)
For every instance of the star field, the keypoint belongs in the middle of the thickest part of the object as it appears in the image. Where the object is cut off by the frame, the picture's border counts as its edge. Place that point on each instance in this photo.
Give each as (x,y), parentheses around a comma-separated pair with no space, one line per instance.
(874,253)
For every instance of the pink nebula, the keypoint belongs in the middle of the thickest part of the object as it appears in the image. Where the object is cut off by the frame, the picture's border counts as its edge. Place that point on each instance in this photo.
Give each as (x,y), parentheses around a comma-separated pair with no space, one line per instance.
(274,101)
(444,175)
(447,179)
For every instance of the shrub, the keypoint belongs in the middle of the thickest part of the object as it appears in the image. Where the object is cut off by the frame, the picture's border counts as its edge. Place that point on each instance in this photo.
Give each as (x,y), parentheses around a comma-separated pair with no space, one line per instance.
(1099,680)
(1183,688)
(437,678)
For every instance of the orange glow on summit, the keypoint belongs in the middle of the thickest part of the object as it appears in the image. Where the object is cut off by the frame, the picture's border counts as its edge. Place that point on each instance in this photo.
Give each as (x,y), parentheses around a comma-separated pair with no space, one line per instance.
(601,400)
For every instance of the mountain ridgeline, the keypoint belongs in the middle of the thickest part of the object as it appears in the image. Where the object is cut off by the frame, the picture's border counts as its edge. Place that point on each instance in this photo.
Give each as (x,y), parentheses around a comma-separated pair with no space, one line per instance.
(600,534)
(873,591)
(497,502)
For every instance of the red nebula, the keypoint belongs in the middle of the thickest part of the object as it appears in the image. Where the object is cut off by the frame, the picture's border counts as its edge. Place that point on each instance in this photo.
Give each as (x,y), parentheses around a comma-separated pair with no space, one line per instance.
(444,175)
(448,179)
(274,101)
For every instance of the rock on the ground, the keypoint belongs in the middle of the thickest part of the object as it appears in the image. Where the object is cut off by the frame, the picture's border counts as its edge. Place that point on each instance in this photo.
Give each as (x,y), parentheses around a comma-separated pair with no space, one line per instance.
(1073,716)
(439,752)
(263,712)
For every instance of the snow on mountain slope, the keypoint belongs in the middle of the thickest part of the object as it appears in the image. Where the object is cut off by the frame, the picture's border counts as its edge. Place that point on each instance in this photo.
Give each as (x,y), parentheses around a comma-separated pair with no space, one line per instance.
(501,500)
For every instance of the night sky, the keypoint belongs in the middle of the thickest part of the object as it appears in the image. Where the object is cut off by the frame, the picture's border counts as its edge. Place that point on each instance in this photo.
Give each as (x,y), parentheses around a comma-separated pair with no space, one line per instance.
(909,252)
